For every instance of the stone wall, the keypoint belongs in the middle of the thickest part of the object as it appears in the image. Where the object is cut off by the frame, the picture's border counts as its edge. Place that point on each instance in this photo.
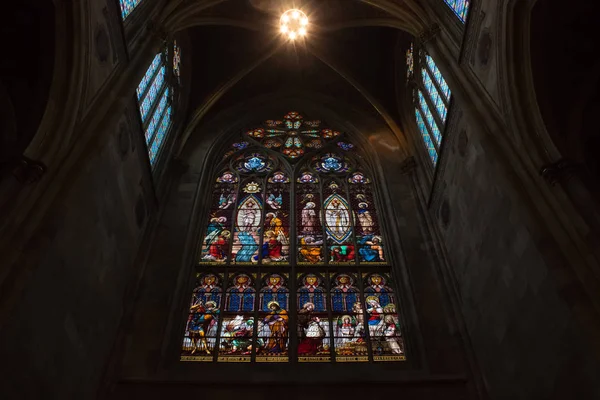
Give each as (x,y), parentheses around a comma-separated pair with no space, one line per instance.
(519,313)
(57,337)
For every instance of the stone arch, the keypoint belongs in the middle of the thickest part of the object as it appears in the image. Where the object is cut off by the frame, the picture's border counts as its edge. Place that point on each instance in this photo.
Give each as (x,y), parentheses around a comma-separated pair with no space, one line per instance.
(26,73)
(566,81)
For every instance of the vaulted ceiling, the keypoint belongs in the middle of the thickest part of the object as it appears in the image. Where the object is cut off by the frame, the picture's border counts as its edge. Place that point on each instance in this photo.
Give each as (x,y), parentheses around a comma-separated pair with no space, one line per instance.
(354,52)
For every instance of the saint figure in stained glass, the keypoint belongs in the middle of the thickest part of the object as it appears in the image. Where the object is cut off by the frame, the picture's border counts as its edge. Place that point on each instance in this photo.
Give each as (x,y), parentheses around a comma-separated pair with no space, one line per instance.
(201,329)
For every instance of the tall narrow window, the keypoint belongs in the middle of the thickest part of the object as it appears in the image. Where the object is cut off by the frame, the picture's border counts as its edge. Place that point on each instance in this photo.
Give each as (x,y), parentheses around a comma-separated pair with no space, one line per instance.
(432,101)
(293,238)
(460,8)
(127,6)
(154,95)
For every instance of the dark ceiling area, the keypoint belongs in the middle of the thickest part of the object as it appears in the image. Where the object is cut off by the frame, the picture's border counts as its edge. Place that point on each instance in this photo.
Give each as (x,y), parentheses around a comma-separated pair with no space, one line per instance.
(356,64)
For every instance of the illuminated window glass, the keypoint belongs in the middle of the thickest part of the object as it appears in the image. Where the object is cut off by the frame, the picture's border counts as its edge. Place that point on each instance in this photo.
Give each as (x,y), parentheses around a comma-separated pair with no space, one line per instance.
(154,97)
(432,100)
(275,230)
(431,150)
(434,95)
(437,75)
(460,8)
(127,6)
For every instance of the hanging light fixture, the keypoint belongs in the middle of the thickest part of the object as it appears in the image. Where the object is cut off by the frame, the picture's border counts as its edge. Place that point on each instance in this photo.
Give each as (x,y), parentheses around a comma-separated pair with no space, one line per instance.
(293,24)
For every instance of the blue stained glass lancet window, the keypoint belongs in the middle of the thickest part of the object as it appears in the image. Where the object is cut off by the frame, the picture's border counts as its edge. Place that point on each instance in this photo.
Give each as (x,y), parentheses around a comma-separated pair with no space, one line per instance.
(437,75)
(151,95)
(435,96)
(149,75)
(429,118)
(127,7)
(432,101)
(460,8)
(154,97)
(426,138)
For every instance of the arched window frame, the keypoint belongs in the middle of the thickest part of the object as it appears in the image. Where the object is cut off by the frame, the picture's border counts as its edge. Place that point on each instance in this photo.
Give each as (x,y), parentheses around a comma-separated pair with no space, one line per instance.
(294,270)
(154,94)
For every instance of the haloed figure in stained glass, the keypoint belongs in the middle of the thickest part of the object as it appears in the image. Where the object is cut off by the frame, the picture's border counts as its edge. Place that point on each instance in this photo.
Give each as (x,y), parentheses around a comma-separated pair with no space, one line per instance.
(277,322)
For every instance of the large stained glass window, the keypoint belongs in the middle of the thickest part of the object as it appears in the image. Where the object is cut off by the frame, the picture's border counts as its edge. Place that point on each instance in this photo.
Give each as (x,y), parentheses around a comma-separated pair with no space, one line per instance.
(127,6)
(154,96)
(293,253)
(460,8)
(432,102)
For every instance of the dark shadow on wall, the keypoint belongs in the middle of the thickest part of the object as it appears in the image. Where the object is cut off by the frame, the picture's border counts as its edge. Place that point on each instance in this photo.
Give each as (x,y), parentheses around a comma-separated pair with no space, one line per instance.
(566,71)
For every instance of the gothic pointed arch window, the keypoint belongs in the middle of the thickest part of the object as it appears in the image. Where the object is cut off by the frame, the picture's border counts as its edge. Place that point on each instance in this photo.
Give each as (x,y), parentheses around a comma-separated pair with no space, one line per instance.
(460,8)
(294,240)
(155,95)
(127,6)
(432,100)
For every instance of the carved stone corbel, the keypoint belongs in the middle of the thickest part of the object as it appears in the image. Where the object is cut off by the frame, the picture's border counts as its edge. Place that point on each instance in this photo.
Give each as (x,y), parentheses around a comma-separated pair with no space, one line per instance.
(429,33)
(28,171)
(408,165)
(557,171)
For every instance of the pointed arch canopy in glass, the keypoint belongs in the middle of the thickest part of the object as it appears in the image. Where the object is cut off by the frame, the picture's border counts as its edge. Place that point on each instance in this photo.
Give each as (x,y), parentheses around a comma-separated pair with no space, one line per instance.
(293,234)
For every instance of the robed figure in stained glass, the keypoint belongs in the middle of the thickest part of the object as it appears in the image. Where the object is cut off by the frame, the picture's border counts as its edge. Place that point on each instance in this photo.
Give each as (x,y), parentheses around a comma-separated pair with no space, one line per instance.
(337,218)
(216,241)
(311,331)
(277,322)
(309,218)
(202,324)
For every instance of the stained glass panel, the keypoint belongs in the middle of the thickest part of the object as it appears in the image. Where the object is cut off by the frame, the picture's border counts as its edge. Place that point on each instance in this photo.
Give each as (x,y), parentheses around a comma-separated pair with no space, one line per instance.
(437,75)
(204,312)
(237,328)
(157,117)
(216,240)
(293,136)
(127,7)
(276,241)
(149,75)
(309,219)
(430,119)
(152,94)
(410,62)
(247,230)
(382,318)
(165,124)
(314,337)
(434,95)
(460,8)
(350,339)
(273,327)
(426,138)
(176,60)
(326,210)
